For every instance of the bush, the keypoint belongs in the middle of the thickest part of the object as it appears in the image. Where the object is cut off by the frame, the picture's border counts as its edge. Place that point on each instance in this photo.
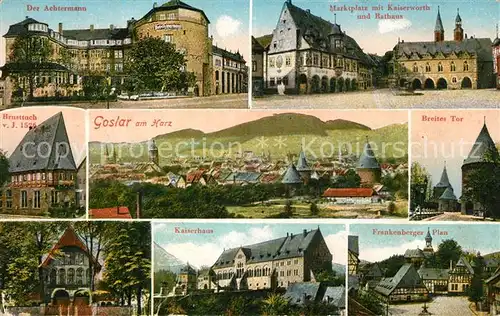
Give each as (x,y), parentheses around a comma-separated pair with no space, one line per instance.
(391,208)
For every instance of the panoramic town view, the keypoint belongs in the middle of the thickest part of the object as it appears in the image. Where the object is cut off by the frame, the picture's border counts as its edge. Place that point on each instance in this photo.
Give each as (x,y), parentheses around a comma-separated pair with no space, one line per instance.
(379,55)
(249,269)
(43,163)
(97,55)
(79,268)
(455,172)
(249,165)
(423,270)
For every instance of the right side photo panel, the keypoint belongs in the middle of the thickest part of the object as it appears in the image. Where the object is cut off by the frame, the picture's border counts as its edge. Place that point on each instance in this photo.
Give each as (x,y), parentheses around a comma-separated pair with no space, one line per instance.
(455,174)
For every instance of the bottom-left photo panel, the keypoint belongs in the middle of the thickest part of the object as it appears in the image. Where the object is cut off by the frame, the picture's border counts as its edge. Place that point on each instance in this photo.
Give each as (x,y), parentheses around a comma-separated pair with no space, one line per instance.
(75,268)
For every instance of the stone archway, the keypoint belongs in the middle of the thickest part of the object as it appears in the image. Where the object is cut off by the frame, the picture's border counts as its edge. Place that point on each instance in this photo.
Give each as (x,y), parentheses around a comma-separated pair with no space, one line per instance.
(333,85)
(60,297)
(315,84)
(81,297)
(442,84)
(466,83)
(340,84)
(302,84)
(416,84)
(429,84)
(347,84)
(324,84)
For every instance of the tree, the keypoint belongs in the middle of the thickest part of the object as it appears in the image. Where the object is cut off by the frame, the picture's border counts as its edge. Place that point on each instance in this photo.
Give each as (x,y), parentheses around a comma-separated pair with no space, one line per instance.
(483,184)
(164,279)
(391,208)
(29,57)
(274,304)
(154,65)
(314,209)
(448,250)
(349,180)
(476,292)
(4,169)
(288,208)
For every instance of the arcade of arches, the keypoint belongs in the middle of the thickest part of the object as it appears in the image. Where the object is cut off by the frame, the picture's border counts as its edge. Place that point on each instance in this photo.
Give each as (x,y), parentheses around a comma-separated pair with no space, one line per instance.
(324,84)
(430,84)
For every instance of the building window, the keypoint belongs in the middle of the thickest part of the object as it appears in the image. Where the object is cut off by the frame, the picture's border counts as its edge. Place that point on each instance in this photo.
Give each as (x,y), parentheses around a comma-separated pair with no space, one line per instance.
(427,67)
(71,276)
(466,66)
(168,38)
(53,277)
(454,79)
(285,81)
(315,60)
(453,67)
(118,54)
(440,67)
(54,197)
(24,199)
(254,66)
(79,276)
(119,67)
(271,62)
(272,82)
(415,67)
(288,60)
(62,276)
(171,16)
(162,17)
(37,199)
(8,199)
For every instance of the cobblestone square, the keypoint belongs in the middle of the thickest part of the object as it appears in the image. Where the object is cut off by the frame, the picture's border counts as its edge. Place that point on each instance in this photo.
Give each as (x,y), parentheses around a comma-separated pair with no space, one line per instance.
(440,305)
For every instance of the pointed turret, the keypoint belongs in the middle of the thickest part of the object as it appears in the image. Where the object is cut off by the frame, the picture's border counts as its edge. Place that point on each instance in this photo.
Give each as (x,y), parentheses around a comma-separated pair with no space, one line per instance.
(368,167)
(444,182)
(439,29)
(458,33)
(483,149)
(428,242)
(292,176)
(448,195)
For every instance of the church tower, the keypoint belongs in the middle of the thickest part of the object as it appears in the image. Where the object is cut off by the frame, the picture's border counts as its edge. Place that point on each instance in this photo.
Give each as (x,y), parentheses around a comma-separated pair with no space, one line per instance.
(442,185)
(303,167)
(153,152)
(428,243)
(439,29)
(458,33)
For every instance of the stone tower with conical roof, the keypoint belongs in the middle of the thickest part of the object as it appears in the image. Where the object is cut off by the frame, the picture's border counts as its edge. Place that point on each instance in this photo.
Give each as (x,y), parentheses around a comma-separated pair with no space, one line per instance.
(482,154)
(303,167)
(458,33)
(439,29)
(442,185)
(368,168)
(447,202)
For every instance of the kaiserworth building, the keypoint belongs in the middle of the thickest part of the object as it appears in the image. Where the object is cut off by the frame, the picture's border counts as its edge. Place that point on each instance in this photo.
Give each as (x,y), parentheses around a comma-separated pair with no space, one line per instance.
(459,63)
(272,264)
(43,172)
(77,54)
(308,54)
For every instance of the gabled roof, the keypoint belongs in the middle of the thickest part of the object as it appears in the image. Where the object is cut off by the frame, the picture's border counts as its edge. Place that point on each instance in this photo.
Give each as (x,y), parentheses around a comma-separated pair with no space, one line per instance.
(353,244)
(68,239)
(433,273)
(448,195)
(483,146)
(34,154)
(262,42)
(319,30)
(244,177)
(121,212)
(188,269)
(463,262)
(227,54)
(414,253)
(444,182)
(406,277)
(292,176)
(367,159)
(349,192)
(97,34)
(301,292)
(335,295)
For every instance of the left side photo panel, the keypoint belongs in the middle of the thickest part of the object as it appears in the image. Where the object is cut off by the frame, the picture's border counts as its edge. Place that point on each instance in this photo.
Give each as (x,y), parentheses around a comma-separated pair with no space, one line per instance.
(79,268)
(139,54)
(43,163)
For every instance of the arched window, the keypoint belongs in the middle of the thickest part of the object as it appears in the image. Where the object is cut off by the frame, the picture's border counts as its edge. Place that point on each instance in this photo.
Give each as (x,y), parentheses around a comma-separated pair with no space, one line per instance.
(53,277)
(453,67)
(415,67)
(79,276)
(427,67)
(440,67)
(466,66)
(62,276)
(71,276)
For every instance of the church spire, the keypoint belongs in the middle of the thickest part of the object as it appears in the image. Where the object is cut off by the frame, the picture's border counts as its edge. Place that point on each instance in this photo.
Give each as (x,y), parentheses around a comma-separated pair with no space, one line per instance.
(439,29)
(458,33)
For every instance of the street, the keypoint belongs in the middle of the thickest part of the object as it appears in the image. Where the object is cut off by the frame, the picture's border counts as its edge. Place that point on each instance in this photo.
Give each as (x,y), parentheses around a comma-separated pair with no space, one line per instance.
(440,305)
(385,99)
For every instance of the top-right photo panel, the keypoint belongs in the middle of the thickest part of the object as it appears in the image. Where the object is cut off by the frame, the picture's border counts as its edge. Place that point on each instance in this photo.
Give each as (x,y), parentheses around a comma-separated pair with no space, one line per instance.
(375,54)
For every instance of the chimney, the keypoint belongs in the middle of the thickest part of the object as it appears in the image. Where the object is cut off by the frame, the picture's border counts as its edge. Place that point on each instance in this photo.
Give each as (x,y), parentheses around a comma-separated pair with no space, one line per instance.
(451,264)
(111,27)
(287,234)
(155,4)
(308,10)
(61,28)
(465,35)
(305,232)
(291,235)
(91,27)
(138,209)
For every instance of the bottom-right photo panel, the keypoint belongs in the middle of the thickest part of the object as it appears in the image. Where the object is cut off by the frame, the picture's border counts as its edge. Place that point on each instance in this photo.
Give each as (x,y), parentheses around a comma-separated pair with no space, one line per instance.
(396,269)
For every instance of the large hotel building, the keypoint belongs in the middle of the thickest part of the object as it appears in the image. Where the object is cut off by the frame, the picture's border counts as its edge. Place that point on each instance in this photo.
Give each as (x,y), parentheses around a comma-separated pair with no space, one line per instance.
(83,52)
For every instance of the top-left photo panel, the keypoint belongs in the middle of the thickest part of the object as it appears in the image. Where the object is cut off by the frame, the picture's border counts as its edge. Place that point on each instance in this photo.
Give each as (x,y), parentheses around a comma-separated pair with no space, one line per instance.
(124,54)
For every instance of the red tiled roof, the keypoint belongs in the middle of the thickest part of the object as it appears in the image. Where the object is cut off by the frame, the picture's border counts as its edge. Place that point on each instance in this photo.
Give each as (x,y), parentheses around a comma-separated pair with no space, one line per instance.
(115,213)
(349,192)
(68,239)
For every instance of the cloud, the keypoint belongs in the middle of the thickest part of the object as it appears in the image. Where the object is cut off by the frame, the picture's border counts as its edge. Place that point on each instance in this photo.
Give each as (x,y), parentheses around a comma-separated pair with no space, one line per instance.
(337,243)
(227,26)
(381,253)
(387,26)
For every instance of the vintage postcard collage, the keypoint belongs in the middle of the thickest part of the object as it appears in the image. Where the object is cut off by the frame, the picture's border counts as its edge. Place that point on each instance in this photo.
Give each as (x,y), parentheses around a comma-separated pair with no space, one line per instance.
(239,157)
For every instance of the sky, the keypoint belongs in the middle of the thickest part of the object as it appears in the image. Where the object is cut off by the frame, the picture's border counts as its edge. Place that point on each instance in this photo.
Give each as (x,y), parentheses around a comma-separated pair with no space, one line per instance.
(210,121)
(229,18)
(433,143)
(204,249)
(471,237)
(379,36)
(74,119)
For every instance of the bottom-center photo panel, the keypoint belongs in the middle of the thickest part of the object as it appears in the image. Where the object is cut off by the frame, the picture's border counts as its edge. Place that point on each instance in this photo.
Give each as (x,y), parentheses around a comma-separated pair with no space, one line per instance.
(220,268)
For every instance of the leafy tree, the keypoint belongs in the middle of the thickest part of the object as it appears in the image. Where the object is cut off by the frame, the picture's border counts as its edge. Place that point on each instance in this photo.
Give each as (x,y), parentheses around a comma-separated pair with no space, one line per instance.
(314,209)
(29,56)
(448,250)
(274,304)
(475,291)
(349,180)
(391,208)
(391,265)
(483,185)
(164,279)
(288,208)
(4,169)
(154,64)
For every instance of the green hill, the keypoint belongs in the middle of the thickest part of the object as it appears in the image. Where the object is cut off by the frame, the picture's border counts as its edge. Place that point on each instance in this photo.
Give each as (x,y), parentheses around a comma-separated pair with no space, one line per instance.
(344,124)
